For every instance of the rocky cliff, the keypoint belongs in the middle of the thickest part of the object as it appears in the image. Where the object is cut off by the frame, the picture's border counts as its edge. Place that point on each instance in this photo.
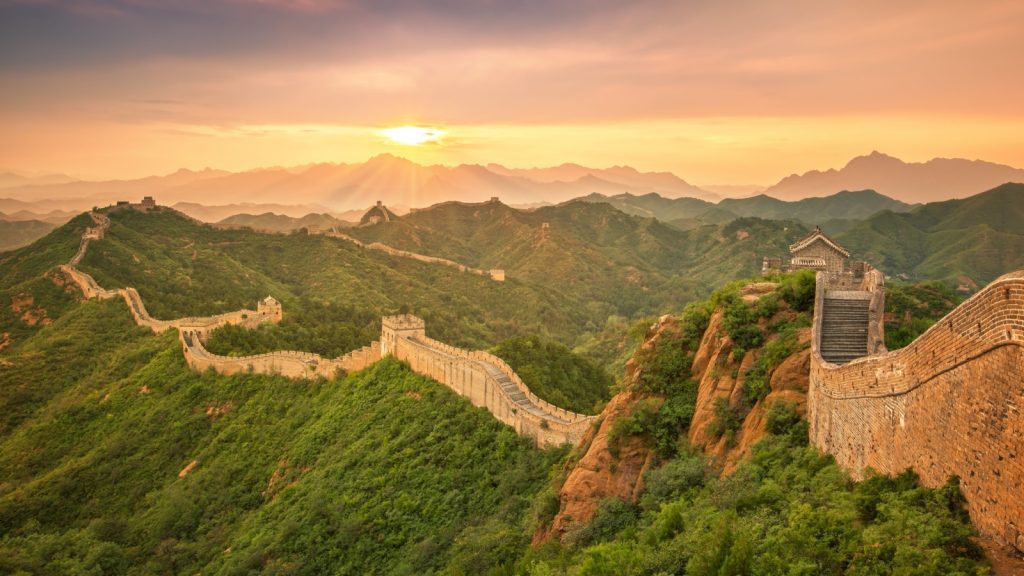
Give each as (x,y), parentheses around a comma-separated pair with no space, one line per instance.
(612,464)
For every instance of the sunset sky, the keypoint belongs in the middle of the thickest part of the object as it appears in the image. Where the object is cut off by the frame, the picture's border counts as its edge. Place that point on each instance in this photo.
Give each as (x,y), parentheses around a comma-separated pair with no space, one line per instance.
(715,91)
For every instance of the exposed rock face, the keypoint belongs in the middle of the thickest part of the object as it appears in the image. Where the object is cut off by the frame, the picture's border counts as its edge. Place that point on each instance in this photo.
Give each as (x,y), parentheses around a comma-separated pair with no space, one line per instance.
(721,376)
(599,474)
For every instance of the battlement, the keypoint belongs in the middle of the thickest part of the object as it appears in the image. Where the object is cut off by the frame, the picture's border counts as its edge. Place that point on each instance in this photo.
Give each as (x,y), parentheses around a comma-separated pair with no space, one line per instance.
(403,322)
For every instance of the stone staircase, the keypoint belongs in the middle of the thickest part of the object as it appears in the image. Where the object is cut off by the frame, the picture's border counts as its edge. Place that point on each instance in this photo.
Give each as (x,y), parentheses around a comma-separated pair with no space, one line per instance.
(844,334)
(514,393)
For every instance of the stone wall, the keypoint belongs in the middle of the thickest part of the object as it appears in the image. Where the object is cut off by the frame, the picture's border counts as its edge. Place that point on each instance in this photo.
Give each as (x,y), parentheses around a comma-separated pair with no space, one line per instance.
(475,376)
(496,275)
(291,364)
(483,378)
(201,325)
(949,403)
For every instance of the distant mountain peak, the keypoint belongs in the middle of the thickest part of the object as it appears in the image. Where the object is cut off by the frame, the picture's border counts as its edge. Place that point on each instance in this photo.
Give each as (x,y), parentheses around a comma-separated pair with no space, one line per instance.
(875,158)
(910,182)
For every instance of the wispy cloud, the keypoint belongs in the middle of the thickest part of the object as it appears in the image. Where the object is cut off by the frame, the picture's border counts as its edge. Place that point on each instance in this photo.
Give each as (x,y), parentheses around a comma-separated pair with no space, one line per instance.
(127,64)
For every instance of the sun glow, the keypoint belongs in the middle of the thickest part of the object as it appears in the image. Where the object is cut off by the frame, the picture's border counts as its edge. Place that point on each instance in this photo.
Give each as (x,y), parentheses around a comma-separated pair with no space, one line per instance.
(413,135)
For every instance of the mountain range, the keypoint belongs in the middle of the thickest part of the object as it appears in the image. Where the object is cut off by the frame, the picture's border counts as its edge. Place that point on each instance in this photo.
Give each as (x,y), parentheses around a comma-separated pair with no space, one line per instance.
(967,242)
(399,182)
(836,212)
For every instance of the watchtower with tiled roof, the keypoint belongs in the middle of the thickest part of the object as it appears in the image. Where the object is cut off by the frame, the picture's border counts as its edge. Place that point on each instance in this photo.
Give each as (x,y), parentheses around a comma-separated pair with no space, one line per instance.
(817,250)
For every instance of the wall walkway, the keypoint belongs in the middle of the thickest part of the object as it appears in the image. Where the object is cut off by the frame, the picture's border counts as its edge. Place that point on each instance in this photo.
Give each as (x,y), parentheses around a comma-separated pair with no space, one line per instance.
(485,379)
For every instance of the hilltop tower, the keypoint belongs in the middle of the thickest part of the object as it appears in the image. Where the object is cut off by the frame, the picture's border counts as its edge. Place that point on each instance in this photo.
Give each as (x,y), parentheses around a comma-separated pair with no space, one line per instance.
(270,308)
(395,327)
(818,251)
(377,213)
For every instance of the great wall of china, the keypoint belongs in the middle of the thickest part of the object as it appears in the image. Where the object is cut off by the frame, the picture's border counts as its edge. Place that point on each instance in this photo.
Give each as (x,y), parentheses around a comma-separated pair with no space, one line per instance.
(947,404)
(483,378)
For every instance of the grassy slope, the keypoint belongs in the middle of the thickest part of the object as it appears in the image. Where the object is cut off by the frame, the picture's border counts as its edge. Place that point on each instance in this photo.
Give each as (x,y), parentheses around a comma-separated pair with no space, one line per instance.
(29,273)
(18,233)
(383,470)
(624,264)
(181,268)
(979,237)
(334,293)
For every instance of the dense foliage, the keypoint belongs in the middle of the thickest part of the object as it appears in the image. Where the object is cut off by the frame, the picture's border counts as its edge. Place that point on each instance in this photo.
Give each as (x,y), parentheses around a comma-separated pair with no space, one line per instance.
(327,328)
(617,263)
(788,510)
(181,268)
(116,459)
(555,374)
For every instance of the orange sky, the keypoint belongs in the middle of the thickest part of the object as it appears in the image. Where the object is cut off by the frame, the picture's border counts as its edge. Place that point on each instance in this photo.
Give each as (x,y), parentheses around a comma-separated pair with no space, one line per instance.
(717,92)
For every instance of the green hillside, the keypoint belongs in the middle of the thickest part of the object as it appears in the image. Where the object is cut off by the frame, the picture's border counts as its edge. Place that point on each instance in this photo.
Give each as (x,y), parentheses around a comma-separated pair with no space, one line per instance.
(334,293)
(18,233)
(967,242)
(32,293)
(116,459)
(270,222)
(618,263)
(683,213)
(183,268)
(846,205)
(839,210)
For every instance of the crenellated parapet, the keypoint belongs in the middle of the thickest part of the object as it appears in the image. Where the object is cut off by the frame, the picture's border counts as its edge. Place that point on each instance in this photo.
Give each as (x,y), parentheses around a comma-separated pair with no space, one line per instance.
(291,364)
(484,379)
(947,404)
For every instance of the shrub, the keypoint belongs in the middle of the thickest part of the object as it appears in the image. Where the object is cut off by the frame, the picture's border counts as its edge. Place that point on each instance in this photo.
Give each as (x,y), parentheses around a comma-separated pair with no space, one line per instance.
(782,417)
(727,420)
(613,514)
(673,479)
(797,289)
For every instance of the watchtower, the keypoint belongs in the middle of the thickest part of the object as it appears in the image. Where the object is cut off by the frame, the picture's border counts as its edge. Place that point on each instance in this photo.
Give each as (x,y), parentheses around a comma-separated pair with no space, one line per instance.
(394,327)
(269,307)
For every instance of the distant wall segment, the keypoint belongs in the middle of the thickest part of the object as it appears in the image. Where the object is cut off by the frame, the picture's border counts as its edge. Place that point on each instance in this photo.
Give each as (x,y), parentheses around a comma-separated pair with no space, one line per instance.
(495,274)
(948,404)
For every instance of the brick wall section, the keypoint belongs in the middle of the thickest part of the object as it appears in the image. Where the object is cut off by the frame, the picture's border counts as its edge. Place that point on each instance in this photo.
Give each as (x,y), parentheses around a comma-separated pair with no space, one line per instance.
(291,364)
(949,403)
(834,261)
(473,374)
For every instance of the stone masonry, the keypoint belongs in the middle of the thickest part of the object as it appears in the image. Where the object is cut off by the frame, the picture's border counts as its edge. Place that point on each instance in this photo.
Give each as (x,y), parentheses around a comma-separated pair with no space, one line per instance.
(948,404)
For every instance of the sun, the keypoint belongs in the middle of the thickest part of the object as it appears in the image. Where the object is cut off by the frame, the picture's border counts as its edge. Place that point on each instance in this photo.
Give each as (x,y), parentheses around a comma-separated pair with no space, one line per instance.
(413,135)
